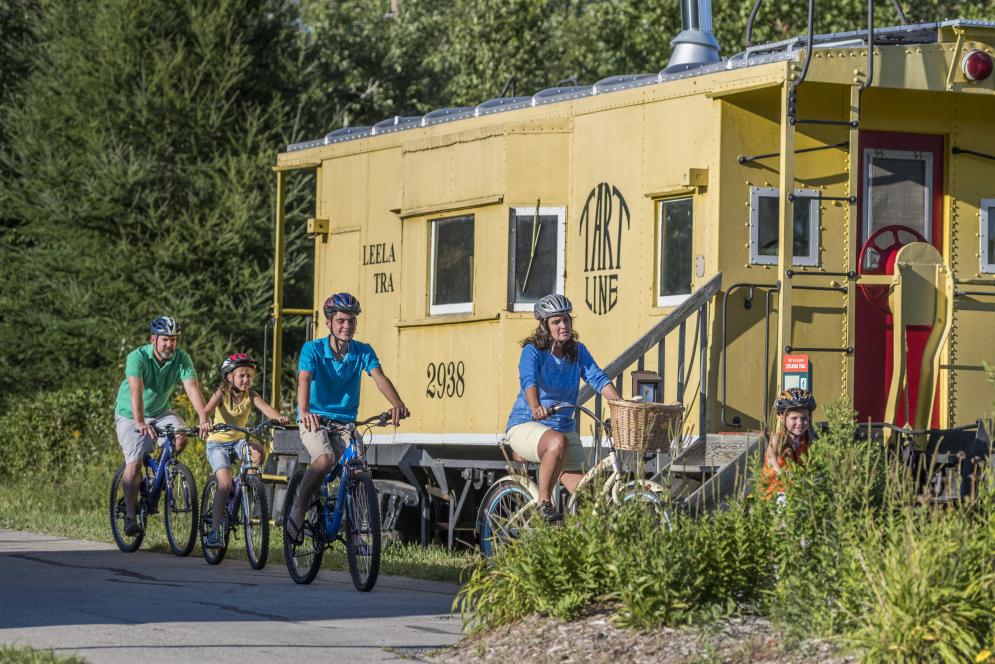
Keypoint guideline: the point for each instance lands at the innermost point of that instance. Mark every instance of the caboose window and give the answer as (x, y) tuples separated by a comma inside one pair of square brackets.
[(898, 191), (452, 265), (535, 255), (765, 230), (674, 253), (988, 235)]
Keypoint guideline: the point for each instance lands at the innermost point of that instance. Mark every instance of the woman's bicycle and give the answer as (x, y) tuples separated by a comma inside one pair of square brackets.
[(246, 506), (509, 503), (350, 505), (161, 473)]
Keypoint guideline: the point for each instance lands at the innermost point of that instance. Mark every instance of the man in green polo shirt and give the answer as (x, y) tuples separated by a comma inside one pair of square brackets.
[(150, 377)]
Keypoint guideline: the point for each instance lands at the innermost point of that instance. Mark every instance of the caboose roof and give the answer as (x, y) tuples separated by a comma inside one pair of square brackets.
[(759, 54)]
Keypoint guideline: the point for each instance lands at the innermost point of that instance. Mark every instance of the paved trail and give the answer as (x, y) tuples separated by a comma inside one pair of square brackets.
[(90, 599)]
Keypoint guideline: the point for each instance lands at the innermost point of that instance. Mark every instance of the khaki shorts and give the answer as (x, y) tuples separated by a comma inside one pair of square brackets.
[(321, 442), (524, 440), (135, 445)]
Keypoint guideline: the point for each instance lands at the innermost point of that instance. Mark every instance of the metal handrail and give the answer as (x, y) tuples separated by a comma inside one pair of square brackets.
[(670, 322), (768, 289), (696, 303)]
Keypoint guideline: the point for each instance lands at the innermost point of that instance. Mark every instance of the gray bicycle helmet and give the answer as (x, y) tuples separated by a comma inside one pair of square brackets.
[(550, 305), (165, 326)]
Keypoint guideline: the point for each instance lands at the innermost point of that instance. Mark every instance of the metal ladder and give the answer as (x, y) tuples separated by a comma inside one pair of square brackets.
[(789, 121)]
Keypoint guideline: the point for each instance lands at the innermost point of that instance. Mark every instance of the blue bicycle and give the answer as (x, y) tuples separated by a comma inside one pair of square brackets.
[(161, 473), (351, 504), (246, 506)]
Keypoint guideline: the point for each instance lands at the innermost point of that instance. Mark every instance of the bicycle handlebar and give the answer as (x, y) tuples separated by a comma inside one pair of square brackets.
[(380, 420), (562, 405), (255, 431), (176, 431)]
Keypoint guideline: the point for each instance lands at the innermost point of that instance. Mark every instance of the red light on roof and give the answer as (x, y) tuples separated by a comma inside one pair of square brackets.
[(977, 66)]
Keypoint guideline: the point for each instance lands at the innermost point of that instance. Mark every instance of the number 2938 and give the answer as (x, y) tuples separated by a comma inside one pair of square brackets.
[(445, 379)]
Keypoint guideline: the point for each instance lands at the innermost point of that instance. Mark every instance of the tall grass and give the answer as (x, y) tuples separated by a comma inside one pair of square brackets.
[(59, 452), (26, 655), (855, 556)]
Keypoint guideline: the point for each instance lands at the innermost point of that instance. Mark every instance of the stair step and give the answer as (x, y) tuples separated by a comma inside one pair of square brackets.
[(693, 469)]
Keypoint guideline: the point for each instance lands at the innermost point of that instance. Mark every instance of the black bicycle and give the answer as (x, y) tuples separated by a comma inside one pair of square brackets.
[(246, 507), (161, 472)]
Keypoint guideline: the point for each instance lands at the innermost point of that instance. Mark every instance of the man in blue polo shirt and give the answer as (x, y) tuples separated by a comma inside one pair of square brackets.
[(328, 376)]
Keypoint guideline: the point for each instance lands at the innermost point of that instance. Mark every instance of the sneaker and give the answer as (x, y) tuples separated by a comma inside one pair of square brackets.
[(214, 539), (549, 513), (132, 528)]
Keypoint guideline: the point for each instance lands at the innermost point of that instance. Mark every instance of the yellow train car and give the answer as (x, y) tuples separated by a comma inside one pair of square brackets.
[(722, 230)]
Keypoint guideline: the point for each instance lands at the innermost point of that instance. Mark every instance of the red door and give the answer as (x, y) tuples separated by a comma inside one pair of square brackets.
[(901, 201)]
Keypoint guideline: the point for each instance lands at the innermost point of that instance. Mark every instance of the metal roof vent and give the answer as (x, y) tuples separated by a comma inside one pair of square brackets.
[(696, 45)]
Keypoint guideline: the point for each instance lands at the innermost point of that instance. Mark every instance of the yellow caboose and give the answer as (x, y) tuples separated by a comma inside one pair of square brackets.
[(816, 211)]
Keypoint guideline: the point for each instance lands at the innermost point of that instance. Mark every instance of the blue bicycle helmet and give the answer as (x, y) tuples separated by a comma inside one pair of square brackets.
[(344, 302), (165, 326)]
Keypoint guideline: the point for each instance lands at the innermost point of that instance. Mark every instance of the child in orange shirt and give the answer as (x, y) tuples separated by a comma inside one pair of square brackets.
[(791, 439)]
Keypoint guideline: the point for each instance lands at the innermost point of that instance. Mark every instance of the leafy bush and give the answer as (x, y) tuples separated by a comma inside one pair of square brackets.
[(56, 432), (62, 448), (854, 555), (656, 574)]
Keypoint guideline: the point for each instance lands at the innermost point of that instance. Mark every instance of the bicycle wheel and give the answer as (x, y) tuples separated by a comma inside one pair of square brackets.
[(124, 542), (648, 495), (304, 559), (362, 543), (212, 555), (255, 521), (502, 514), (181, 509), (593, 490)]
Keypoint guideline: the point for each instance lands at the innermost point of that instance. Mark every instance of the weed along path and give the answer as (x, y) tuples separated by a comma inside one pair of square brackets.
[(89, 599)]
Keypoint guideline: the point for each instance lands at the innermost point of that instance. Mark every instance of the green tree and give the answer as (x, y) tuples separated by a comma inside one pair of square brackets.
[(139, 147)]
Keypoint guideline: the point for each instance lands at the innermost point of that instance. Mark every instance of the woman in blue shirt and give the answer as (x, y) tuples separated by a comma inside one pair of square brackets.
[(549, 371)]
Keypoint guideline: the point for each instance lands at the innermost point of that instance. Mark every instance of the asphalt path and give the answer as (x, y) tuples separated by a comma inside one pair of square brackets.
[(89, 599)]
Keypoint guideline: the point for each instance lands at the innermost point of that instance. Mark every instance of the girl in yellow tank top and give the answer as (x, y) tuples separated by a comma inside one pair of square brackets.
[(232, 403)]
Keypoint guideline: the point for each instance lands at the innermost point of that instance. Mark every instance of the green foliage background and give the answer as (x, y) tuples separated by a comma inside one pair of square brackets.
[(136, 138)]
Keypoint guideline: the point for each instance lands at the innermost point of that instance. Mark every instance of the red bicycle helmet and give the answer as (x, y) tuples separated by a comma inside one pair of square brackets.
[(236, 360)]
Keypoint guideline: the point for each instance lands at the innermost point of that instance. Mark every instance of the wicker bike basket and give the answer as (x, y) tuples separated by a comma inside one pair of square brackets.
[(645, 426)]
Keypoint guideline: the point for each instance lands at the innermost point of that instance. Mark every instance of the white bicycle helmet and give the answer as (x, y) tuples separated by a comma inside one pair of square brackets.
[(552, 305)]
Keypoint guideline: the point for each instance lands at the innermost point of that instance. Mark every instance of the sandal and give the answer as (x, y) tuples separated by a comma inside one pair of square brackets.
[(295, 532), (132, 528)]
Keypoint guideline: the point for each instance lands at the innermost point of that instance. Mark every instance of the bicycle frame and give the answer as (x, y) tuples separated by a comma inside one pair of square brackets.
[(333, 520), (235, 501), (158, 467), (519, 471)]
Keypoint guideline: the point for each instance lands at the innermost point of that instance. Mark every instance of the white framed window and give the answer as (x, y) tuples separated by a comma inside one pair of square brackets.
[(765, 229), (987, 235), (674, 250), (535, 254), (451, 268), (898, 190)]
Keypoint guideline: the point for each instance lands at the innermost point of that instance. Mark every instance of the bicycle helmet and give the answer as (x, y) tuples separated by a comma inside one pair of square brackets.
[(342, 302), (552, 305), (236, 360), (792, 398), (165, 326)]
